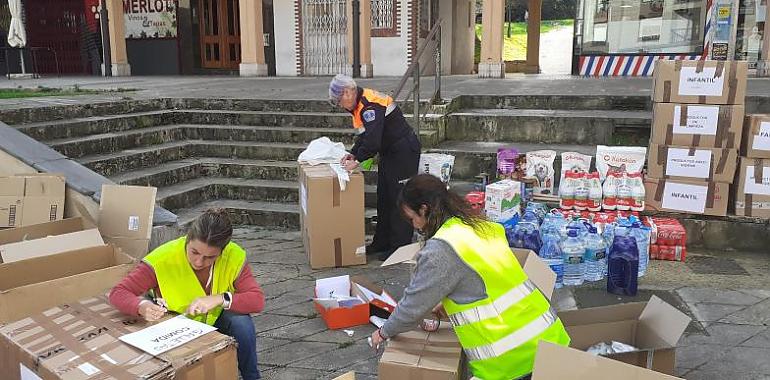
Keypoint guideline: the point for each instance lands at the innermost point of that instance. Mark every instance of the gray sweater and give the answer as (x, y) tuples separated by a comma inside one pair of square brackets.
[(440, 273)]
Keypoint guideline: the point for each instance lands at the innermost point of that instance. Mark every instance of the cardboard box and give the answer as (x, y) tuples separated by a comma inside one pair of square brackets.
[(11, 201), (363, 299), (578, 365), (79, 340), (752, 192), (707, 126), (692, 164), (43, 198), (702, 82), (422, 355), (756, 136), (38, 231), (690, 197), (125, 217), (31, 286), (50, 245), (503, 200), (332, 219), (654, 327)]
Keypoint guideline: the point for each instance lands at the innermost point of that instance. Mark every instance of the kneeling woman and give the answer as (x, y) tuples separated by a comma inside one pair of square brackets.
[(466, 266), (203, 275)]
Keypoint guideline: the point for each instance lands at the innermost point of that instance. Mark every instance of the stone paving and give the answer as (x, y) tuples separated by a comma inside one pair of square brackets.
[(729, 336)]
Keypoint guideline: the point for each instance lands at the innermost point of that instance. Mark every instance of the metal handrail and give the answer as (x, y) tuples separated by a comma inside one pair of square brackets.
[(414, 71)]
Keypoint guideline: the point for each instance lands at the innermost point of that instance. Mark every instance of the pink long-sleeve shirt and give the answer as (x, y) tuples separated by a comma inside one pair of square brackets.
[(126, 295)]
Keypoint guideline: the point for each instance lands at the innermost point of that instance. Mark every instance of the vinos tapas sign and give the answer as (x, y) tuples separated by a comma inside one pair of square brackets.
[(150, 18)]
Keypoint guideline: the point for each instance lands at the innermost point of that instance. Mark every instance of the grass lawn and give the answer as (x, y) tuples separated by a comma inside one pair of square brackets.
[(16, 93), (515, 47)]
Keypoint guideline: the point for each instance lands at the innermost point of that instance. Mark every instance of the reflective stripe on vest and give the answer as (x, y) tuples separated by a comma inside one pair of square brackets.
[(178, 283), (494, 309), (515, 339), (375, 97)]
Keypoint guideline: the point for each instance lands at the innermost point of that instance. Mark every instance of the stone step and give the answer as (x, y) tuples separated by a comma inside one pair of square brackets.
[(65, 112), (264, 214), (170, 173), (544, 126), (274, 105), (553, 102), (117, 141), (86, 126), (473, 158), (200, 190)]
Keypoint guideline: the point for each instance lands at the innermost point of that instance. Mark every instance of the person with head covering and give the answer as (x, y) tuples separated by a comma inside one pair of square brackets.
[(382, 130)]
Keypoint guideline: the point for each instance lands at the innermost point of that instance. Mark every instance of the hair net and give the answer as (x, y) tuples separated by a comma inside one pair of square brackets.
[(338, 85)]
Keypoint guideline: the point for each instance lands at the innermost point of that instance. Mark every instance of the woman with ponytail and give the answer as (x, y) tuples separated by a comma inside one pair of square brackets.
[(467, 273)]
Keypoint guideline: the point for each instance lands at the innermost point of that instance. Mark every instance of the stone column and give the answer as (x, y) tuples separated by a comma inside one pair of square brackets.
[(252, 39), (365, 35), (491, 63), (117, 28), (533, 37), (763, 66)]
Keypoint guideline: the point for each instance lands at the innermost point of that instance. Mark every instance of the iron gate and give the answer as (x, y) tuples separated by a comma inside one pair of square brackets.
[(59, 25), (324, 37)]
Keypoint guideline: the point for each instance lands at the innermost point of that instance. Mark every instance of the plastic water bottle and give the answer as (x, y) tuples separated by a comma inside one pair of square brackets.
[(642, 238), (552, 255), (595, 257), (623, 265), (574, 267)]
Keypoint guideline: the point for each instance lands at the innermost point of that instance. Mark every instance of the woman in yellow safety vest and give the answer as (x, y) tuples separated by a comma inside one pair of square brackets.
[(203, 275), (466, 265)]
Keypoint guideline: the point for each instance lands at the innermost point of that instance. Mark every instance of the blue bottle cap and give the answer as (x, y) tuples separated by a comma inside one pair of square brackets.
[(572, 233), (592, 230)]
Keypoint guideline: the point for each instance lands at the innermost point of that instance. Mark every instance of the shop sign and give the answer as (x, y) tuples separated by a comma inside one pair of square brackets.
[(150, 18)]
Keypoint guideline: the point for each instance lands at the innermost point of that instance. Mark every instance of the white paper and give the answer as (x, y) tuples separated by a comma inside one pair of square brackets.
[(700, 84), (88, 369), (333, 287), (751, 187), (167, 335), (701, 120), (762, 139), (27, 374), (682, 197), (681, 164), (370, 295)]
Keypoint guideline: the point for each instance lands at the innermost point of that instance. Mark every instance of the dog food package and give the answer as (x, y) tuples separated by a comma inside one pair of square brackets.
[(574, 162), (437, 164), (540, 166), (506, 163), (619, 159)]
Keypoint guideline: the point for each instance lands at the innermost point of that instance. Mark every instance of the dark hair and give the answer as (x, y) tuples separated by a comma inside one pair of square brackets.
[(212, 228), (440, 203)]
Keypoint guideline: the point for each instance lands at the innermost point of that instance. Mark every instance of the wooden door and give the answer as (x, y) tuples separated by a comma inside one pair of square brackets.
[(220, 32)]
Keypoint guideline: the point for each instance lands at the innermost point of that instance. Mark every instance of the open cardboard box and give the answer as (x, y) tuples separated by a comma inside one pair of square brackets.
[(33, 285), (373, 301), (654, 327), (536, 269), (50, 245), (31, 198), (578, 365)]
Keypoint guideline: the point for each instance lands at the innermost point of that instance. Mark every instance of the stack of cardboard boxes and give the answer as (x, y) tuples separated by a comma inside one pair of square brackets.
[(697, 123), (752, 189), (31, 199)]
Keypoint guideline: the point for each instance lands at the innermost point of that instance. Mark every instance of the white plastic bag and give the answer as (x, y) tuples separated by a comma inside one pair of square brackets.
[(324, 151), (437, 164)]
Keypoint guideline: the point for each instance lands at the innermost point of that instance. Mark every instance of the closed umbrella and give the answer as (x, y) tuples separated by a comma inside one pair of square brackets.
[(17, 36)]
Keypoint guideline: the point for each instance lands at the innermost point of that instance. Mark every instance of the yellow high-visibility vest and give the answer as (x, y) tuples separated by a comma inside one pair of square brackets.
[(500, 333), (178, 283)]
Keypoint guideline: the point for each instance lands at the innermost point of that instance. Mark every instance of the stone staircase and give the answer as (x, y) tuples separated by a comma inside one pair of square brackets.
[(240, 153)]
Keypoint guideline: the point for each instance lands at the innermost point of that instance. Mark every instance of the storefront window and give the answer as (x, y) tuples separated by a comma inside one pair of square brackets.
[(643, 26), (751, 24)]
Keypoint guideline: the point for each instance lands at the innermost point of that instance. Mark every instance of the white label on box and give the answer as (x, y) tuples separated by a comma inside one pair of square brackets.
[(303, 198), (702, 83), (752, 187), (88, 369), (701, 120), (133, 223), (762, 139), (682, 197), (27, 374), (679, 163), (167, 335)]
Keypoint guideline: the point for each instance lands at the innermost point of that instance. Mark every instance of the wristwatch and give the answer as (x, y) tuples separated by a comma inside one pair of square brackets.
[(228, 300)]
